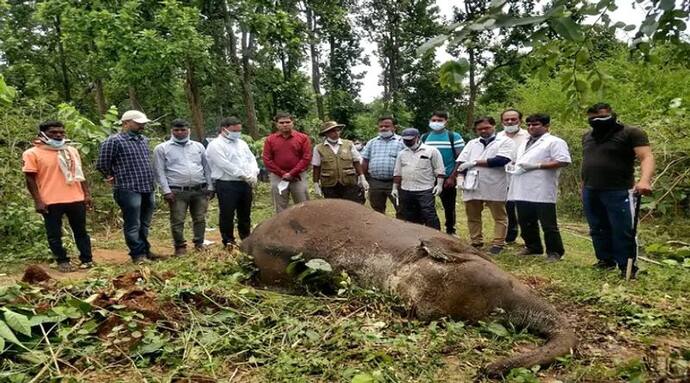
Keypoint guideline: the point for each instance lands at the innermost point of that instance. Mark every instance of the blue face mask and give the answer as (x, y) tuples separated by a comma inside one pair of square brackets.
[(233, 136), (436, 125), (180, 140), (57, 144)]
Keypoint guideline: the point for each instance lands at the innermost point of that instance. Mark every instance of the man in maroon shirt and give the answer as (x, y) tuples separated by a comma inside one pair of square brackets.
[(287, 155)]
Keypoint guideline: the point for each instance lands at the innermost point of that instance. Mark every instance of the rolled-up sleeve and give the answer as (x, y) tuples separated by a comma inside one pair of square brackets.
[(560, 152)]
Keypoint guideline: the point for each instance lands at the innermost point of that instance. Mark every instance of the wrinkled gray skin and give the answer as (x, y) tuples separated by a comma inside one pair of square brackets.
[(437, 275)]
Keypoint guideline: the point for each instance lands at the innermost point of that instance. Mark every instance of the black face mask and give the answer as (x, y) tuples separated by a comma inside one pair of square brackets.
[(410, 143), (603, 123)]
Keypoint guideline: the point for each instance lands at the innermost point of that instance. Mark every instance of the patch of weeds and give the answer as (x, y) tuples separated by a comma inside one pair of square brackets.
[(523, 375)]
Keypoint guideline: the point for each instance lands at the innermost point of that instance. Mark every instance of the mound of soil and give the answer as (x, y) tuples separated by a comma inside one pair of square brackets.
[(35, 274)]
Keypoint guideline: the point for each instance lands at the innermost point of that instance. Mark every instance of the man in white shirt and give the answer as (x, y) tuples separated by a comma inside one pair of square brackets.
[(185, 182), (417, 179), (337, 166), (234, 171), (534, 187), (511, 119), (483, 181)]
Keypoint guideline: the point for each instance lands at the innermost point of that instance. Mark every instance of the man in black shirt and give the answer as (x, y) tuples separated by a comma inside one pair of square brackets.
[(608, 160)]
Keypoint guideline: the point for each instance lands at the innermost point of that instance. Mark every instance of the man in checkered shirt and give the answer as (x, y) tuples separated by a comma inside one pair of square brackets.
[(124, 160), (378, 163)]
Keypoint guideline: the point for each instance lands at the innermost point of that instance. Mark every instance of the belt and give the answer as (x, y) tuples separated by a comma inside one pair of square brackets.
[(188, 188), (382, 180)]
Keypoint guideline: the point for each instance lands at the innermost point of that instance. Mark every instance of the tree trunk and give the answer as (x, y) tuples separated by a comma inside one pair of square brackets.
[(469, 122), (100, 98), (242, 68), (194, 100), (62, 59), (315, 69), (247, 81), (133, 100)]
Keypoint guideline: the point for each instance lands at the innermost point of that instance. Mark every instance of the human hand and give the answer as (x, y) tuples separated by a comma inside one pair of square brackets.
[(209, 194), (643, 188), (438, 188), (288, 177), (88, 202), (110, 180), (41, 207), (460, 180), (395, 194), (449, 183), (169, 198), (467, 165), (317, 190), (362, 182)]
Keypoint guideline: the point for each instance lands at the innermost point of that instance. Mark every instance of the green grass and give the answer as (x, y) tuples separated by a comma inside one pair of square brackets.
[(216, 325)]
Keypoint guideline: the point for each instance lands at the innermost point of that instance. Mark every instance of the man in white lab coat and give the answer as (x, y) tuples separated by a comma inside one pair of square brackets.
[(483, 181), (534, 187), (511, 119)]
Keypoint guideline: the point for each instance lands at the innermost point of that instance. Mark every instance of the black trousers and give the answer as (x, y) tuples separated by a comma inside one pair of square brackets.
[(352, 193), (76, 215), (530, 216), (512, 233), (234, 197), (448, 198), (419, 207)]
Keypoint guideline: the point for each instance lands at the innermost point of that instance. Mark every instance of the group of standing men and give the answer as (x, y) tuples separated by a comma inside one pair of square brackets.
[(514, 173)]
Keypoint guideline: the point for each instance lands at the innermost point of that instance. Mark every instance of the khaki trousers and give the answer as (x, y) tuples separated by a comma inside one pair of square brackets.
[(473, 209), (297, 188)]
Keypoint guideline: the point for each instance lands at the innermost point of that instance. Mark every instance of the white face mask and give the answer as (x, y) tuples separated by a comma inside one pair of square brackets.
[(436, 125), (511, 128), (180, 140), (386, 133), (333, 142)]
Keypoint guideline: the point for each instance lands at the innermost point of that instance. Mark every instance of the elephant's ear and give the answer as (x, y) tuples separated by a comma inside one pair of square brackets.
[(423, 249), (426, 249)]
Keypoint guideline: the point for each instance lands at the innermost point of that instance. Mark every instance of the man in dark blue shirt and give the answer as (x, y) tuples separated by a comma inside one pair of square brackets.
[(124, 161)]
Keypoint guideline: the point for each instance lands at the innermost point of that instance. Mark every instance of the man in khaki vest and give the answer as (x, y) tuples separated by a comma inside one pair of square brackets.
[(337, 166)]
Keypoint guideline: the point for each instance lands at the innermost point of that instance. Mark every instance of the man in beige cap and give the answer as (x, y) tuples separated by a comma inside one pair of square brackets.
[(337, 166), (124, 161)]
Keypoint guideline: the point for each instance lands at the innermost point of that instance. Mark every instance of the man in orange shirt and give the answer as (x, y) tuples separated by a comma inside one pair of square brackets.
[(56, 182)]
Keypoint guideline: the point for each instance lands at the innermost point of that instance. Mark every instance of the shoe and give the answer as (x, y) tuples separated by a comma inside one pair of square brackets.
[(199, 247), (140, 260), (87, 265), (180, 251), (65, 267), (604, 265), (553, 257), (154, 257), (495, 250), (527, 251)]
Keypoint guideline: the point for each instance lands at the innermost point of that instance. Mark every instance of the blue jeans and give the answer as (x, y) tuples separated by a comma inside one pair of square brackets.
[(137, 210), (610, 217)]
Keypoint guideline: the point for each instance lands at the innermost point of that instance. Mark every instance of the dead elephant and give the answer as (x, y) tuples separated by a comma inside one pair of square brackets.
[(436, 274)]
